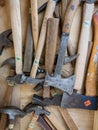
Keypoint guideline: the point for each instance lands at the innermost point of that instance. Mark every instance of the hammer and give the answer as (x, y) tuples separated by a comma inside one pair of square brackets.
[(38, 110), (12, 111)]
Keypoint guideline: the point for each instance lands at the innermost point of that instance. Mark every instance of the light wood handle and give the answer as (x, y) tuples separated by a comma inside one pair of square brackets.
[(91, 79), (48, 14), (51, 44), (81, 61), (32, 122), (69, 14), (35, 31), (17, 33)]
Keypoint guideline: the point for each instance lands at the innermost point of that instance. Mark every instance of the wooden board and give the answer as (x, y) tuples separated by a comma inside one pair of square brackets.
[(83, 118)]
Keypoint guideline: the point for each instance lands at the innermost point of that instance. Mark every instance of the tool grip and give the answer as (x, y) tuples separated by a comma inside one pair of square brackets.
[(91, 79), (35, 30), (51, 44), (69, 14), (17, 33), (81, 62), (48, 14), (32, 122)]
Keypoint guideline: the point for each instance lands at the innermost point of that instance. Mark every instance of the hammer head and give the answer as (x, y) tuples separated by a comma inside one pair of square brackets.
[(55, 100), (79, 101), (37, 109), (64, 84), (4, 40), (12, 111)]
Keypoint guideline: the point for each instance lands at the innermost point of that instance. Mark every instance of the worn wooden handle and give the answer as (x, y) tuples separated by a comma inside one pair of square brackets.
[(17, 33), (48, 14), (32, 122), (91, 79), (28, 54), (69, 14), (51, 44), (81, 61), (35, 30)]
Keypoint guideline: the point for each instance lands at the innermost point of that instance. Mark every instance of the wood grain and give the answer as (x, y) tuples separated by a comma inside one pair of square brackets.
[(51, 44), (83, 46)]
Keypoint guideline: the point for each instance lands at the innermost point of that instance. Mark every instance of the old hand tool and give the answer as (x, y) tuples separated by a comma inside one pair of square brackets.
[(43, 123), (81, 62), (54, 100), (48, 14), (90, 101), (12, 111), (65, 84), (51, 44), (37, 111), (28, 54), (5, 41)]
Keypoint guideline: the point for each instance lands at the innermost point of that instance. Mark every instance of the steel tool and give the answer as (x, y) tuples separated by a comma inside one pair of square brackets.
[(90, 101), (37, 111), (12, 111), (5, 41), (65, 84)]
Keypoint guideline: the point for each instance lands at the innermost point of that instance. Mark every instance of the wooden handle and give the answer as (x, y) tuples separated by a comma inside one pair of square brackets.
[(51, 44), (35, 30), (48, 14), (68, 120), (69, 14), (81, 61), (32, 122), (95, 125), (17, 34), (28, 55), (91, 79), (2, 2)]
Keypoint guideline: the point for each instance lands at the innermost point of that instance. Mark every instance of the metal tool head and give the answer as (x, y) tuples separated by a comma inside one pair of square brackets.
[(90, 1), (55, 100), (4, 40), (64, 84), (79, 101), (36, 108), (10, 62), (12, 111), (21, 79)]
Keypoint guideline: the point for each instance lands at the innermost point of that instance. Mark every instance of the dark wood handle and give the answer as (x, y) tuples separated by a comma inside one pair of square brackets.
[(69, 14), (51, 44), (91, 79)]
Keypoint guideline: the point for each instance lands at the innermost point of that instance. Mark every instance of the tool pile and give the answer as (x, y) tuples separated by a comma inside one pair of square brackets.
[(76, 90)]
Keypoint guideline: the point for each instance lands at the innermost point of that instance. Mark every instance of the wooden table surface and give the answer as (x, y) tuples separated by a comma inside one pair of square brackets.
[(82, 118)]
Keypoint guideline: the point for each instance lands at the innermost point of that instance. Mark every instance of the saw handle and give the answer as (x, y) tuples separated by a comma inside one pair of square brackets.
[(48, 14), (51, 44), (35, 30), (17, 33), (91, 79), (69, 14)]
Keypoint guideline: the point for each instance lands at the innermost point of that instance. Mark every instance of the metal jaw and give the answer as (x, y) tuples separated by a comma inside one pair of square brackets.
[(79, 101), (36, 108), (55, 100), (21, 79), (64, 84)]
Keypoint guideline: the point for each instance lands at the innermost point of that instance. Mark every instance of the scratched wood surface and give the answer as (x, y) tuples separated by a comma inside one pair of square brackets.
[(82, 118)]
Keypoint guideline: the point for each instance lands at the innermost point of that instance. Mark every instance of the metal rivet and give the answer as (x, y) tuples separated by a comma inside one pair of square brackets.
[(67, 25), (72, 7)]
